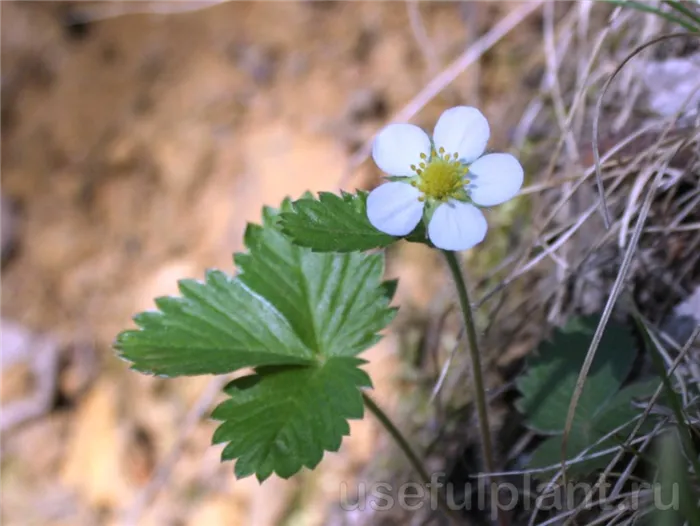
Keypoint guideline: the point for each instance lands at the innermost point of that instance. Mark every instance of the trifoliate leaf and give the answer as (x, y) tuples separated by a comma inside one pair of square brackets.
[(548, 384), (299, 318), (338, 223), (283, 418)]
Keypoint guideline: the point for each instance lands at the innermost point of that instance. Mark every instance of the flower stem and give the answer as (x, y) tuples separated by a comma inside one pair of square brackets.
[(479, 391), (454, 517)]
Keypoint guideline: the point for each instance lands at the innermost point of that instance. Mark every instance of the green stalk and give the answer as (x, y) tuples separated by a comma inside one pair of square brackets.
[(678, 6), (641, 6), (478, 384), (452, 515), (684, 429)]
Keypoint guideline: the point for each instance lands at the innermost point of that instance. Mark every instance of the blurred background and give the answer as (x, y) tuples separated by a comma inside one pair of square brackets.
[(138, 138)]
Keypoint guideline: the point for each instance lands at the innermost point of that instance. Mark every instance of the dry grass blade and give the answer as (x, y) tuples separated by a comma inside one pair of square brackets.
[(649, 167), (606, 501), (607, 311), (624, 447), (97, 11), (426, 47), (583, 456), (597, 113)]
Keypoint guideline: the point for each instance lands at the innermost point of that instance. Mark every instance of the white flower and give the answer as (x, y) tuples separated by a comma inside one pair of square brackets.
[(441, 179)]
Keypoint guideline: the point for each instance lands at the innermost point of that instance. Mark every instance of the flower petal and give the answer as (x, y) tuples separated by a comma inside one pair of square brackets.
[(495, 178), (463, 130), (457, 226), (398, 146), (394, 208)]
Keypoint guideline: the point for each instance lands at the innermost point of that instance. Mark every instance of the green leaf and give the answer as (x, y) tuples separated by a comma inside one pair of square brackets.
[(584, 433), (549, 382), (333, 223), (283, 418), (216, 327), (620, 408), (286, 306), (548, 453), (335, 302), (299, 318), (338, 223), (674, 400)]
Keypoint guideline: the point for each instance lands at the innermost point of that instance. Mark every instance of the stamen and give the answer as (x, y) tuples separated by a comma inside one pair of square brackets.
[(423, 156), (413, 167), (441, 177)]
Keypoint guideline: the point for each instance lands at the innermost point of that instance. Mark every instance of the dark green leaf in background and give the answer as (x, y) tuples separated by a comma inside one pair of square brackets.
[(550, 379), (585, 432), (548, 385)]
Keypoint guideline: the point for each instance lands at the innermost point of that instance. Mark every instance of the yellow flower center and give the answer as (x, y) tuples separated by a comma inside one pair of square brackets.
[(440, 177)]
